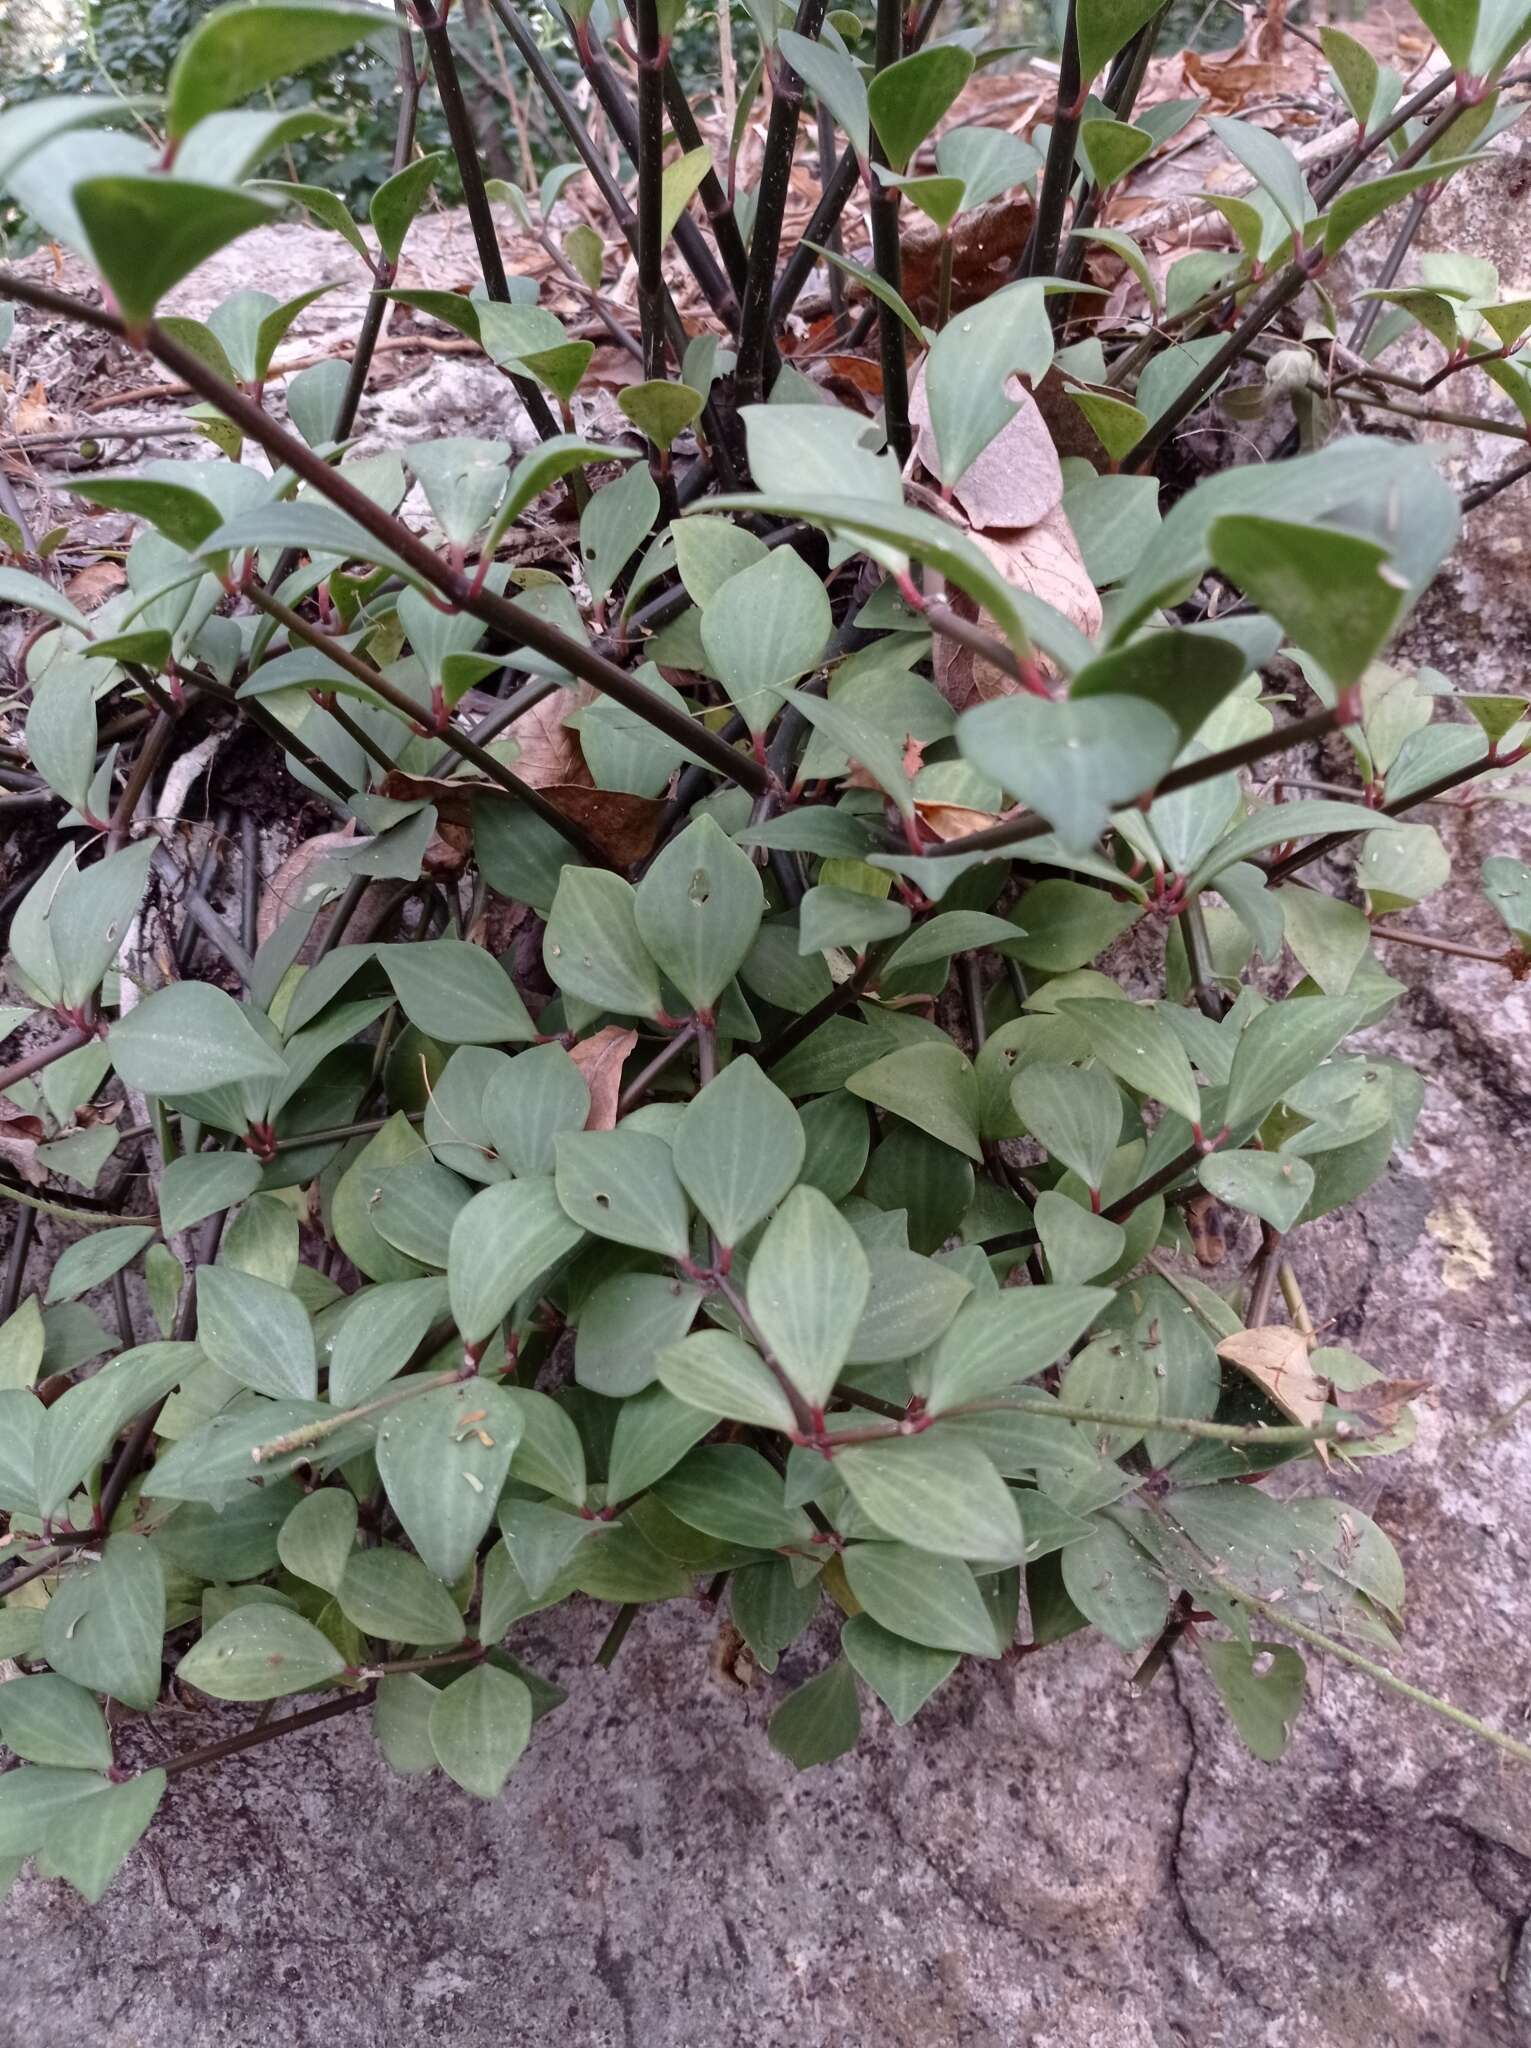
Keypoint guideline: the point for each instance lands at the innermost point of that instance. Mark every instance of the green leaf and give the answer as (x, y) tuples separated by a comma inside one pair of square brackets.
[(90, 1840), (1118, 426), (932, 1086), (912, 1301), (625, 1325), (737, 1149), (659, 410), (188, 1039), (104, 1627), (587, 252), (1362, 203), (1329, 937), (328, 208), (318, 1539), (1401, 865), (769, 1609), (257, 1332), (147, 233), (443, 1471), (1271, 164), (763, 629), (1261, 1685), (1112, 149), (479, 1727), (1336, 594), (822, 1719), (834, 78), (1137, 1046), (1271, 1185), (1075, 1113), (544, 466), (708, 551), (622, 1185), (32, 594), (382, 1330), (28, 125), (396, 202), (830, 918), (906, 100), (614, 525), (1275, 824), (1077, 1244), (503, 1244), (1281, 1047), (718, 1373), (902, 1674), (51, 1720), (922, 1598), (260, 1652), (733, 1493), (549, 1454), (92, 1260), (999, 1343), (1507, 885), (867, 745), (456, 993), (1115, 1586), (591, 947), (989, 161), (81, 1427), (678, 182), (654, 1432), (401, 1723), (237, 49), (935, 1493), (198, 1185), (807, 1286), (528, 1102), (541, 1540), (391, 1595), (1073, 763), (1103, 27), (969, 367), (699, 906)]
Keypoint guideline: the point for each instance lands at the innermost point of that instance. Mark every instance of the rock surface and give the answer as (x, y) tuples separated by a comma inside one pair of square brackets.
[(1041, 1861)]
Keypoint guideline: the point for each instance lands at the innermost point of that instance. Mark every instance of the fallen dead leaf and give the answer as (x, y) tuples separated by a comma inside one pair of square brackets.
[(285, 889), (624, 827), (1016, 481), (20, 1137), (600, 1059), (952, 821), (549, 749), (94, 584), (1276, 1359), (1043, 559), (32, 413)]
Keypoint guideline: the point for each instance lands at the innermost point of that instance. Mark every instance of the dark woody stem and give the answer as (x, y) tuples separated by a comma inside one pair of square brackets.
[(650, 161), (888, 258), (438, 44), (770, 205), (377, 302)]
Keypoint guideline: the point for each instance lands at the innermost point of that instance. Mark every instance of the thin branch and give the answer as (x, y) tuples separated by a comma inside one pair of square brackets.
[(378, 301), (44, 1056), (266, 1731), (650, 166), (518, 626), (1039, 258)]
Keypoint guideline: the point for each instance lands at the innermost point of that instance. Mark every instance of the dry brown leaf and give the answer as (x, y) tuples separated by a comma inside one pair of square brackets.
[(549, 749), (1016, 481), (20, 1137), (952, 821), (600, 1059), (94, 584), (1383, 1401), (1043, 559), (32, 414), (285, 888), (1230, 84), (624, 827), (1276, 1359)]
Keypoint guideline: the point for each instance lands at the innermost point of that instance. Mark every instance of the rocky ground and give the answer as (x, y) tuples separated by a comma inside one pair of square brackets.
[(1041, 1861)]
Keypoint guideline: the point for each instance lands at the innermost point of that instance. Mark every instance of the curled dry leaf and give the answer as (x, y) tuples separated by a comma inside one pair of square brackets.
[(624, 827), (549, 751), (951, 821), (600, 1058), (1276, 1359), (1043, 559), (20, 1137)]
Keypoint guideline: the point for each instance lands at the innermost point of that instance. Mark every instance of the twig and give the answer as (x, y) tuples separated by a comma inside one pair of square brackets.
[(770, 206), (266, 1731), (887, 256)]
